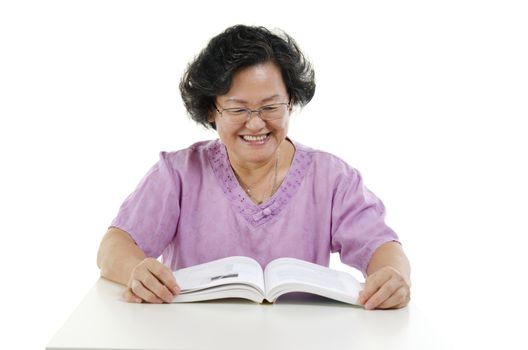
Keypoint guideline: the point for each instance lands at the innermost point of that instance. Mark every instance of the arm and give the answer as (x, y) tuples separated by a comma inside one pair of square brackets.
[(388, 279), (122, 261), (118, 255)]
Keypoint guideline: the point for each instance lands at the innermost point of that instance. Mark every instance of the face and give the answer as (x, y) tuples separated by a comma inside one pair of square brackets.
[(256, 141)]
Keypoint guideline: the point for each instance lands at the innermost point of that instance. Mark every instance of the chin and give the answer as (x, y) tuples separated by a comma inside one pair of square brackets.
[(257, 158)]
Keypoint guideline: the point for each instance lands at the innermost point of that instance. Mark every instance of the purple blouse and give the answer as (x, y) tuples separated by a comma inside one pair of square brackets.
[(190, 209)]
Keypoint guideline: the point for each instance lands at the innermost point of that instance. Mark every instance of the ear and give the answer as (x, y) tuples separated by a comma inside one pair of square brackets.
[(211, 117)]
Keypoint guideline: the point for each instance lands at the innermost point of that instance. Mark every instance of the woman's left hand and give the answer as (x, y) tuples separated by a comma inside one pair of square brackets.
[(386, 288)]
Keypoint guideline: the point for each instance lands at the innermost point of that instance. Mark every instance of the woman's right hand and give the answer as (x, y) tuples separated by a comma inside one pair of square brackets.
[(152, 282)]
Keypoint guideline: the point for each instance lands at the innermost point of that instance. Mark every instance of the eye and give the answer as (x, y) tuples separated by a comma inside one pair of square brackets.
[(236, 111), (269, 108)]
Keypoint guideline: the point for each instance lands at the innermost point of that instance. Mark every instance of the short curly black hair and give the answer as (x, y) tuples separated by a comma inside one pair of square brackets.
[(210, 74)]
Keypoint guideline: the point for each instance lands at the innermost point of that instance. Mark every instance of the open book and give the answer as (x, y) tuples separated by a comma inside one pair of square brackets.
[(242, 277)]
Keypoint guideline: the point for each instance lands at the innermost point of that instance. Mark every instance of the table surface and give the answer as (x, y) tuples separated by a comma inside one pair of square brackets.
[(104, 321)]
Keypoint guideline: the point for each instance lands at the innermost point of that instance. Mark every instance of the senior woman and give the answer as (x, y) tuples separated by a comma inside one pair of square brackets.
[(254, 192)]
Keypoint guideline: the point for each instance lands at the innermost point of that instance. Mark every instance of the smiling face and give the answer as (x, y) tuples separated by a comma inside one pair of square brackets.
[(254, 142)]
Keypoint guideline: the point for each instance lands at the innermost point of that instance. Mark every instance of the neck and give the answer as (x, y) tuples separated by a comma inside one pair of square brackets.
[(261, 180), (252, 173)]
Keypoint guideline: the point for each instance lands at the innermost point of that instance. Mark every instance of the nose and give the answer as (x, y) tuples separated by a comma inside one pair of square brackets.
[(254, 122)]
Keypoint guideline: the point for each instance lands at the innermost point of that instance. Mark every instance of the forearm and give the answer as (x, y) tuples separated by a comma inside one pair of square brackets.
[(390, 254), (118, 255), (388, 283)]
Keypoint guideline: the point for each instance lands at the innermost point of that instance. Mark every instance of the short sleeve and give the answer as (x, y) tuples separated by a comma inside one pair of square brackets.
[(150, 214), (358, 222)]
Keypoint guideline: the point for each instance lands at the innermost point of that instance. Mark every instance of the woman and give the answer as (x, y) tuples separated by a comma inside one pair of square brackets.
[(254, 192)]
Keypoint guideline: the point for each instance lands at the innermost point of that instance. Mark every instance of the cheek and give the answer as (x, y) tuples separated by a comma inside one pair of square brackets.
[(226, 131), (283, 125)]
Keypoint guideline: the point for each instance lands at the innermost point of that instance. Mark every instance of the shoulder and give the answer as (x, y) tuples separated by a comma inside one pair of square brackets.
[(326, 162), (192, 157)]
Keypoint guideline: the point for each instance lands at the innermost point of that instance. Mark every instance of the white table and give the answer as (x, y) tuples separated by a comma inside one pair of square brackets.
[(104, 321)]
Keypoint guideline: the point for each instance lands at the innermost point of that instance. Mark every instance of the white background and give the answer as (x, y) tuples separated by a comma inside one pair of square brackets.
[(426, 99)]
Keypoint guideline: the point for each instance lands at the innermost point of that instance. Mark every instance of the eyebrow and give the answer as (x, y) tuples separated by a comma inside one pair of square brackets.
[(244, 101)]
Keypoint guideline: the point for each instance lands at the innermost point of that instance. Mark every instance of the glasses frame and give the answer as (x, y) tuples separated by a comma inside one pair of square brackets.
[(249, 112)]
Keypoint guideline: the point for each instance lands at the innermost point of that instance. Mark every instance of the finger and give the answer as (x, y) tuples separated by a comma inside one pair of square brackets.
[(399, 299), (155, 286), (372, 285), (130, 297), (145, 276), (144, 293), (383, 293), (164, 275)]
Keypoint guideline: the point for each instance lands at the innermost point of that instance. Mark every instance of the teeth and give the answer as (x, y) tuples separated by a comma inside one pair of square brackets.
[(254, 138)]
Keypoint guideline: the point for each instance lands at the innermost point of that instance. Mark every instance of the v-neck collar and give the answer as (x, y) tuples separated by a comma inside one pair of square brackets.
[(258, 214)]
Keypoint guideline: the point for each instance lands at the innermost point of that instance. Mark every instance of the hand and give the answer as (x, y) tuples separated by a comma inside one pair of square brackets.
[(151, 282), (386, 288)]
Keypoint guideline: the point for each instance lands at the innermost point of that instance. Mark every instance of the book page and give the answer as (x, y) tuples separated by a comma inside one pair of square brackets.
[(231, 270), (289, 274), (243, 291)]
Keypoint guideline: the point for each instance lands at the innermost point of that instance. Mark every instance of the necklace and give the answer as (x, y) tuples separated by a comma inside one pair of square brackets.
[(249, 191)]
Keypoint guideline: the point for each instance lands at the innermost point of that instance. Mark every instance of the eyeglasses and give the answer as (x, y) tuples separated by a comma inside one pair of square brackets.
[(239, 115)]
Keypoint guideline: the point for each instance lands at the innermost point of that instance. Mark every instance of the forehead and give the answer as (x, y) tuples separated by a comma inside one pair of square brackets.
[(256, 84)]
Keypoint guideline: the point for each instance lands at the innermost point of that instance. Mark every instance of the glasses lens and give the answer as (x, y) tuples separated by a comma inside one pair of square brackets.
[(236, 115), (273, 111)]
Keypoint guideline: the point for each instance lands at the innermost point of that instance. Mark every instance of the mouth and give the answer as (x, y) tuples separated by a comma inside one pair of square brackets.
[(256, 139)]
